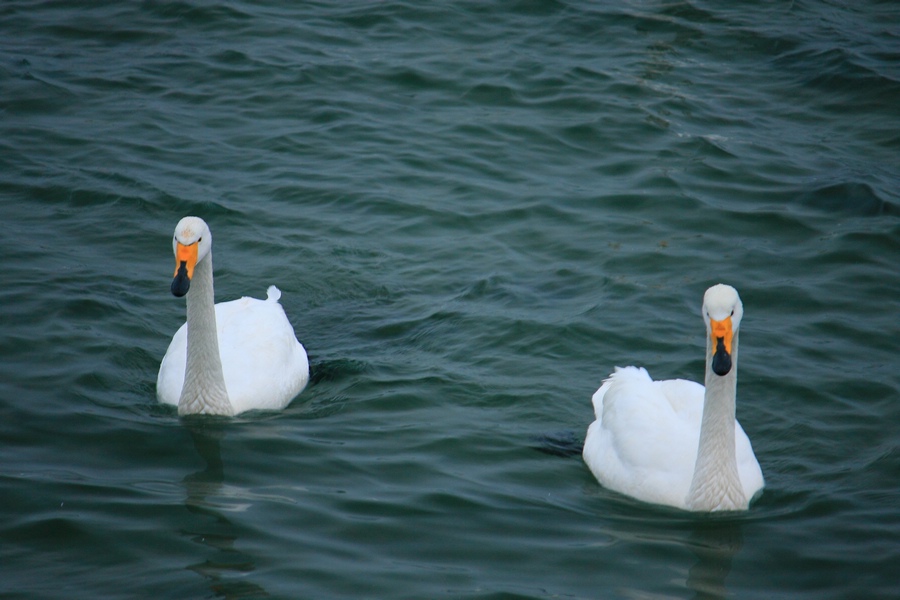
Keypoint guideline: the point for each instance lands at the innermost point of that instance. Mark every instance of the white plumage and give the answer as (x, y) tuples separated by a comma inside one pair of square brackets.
[(228, 357), (676, 442)]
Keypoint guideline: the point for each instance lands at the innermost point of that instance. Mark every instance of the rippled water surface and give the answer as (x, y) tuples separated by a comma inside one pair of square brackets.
[(475, 211)]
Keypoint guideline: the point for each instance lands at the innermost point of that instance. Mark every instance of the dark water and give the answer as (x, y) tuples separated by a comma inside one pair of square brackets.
[(475, 210)]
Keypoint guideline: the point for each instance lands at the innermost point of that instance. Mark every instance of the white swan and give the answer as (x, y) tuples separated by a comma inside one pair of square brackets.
[(674, 442), (231, 357)]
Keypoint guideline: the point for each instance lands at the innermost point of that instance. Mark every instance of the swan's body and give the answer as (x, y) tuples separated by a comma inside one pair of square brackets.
[(675, 442), (229, 357)]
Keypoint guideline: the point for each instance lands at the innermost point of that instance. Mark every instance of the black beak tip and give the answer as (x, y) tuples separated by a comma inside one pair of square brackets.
[(182, 283), (721, 362)]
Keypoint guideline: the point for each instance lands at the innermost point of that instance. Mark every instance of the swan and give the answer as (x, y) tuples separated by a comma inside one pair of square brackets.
[(675, 442), (229, 357)]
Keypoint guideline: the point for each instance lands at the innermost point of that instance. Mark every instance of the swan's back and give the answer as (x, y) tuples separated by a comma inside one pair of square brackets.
[(645, 439), (263, 363)]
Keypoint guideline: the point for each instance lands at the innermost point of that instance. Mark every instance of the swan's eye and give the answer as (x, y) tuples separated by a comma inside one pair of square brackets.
[(732, 312)]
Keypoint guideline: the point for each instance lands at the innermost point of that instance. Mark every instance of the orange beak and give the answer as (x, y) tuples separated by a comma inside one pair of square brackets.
[(721, 330), (186, 258)]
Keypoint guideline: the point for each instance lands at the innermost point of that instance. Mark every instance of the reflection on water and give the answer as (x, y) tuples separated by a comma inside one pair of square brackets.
[(714, 543), (210, 528), (659, 536)]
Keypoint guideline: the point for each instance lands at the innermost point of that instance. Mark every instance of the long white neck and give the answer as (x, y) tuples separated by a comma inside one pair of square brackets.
[(716, 484), (204, 383)]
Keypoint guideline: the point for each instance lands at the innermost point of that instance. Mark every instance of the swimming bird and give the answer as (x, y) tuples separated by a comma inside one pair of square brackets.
[(676, 442), (229, 357)]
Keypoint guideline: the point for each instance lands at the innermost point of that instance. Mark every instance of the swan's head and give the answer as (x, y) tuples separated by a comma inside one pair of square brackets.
[(191, 244), (722, 311)]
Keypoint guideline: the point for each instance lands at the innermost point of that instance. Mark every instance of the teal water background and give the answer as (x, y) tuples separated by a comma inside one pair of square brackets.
[(475, 211)]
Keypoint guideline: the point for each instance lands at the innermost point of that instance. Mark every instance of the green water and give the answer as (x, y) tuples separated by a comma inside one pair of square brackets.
[(474, 211)]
